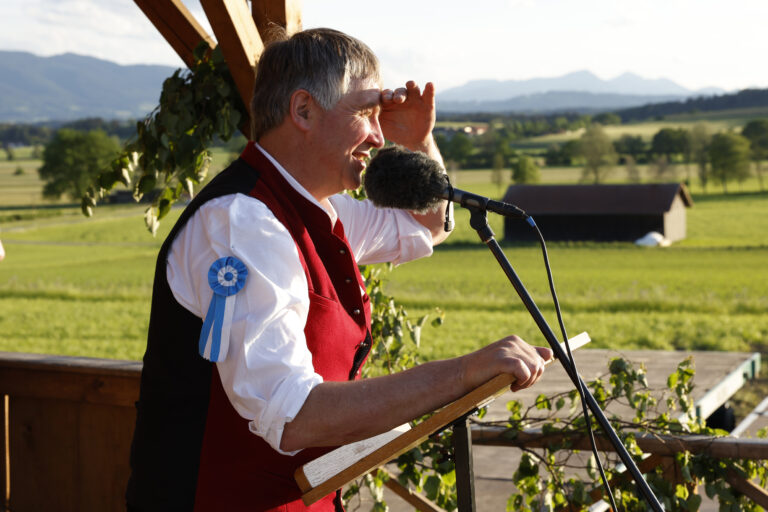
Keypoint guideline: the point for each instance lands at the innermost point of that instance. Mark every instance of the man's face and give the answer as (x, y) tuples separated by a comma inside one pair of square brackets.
[(346, 134)]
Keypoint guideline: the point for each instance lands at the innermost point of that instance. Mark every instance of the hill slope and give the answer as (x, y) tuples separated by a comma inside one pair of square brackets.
[(580, 91), (69, 86)]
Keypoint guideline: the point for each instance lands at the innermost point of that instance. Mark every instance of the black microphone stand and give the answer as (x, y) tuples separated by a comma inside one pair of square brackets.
[(479, 222)]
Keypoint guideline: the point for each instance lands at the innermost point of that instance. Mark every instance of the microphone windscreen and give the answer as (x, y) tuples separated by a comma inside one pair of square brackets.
[(407, 180)]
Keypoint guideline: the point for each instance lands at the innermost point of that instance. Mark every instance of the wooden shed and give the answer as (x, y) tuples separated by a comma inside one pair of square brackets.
[(599, 212)]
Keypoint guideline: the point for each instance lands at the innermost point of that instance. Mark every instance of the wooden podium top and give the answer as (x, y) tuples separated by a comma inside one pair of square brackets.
[(325, 474)]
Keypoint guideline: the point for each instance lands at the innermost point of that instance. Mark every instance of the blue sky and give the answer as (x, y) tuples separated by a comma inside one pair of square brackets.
[(696, 43)]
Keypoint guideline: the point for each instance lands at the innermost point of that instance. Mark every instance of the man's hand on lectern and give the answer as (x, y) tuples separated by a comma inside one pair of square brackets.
[(509, 355)]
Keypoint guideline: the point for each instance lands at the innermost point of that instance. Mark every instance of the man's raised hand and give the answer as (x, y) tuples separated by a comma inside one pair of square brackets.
[(408, 116)]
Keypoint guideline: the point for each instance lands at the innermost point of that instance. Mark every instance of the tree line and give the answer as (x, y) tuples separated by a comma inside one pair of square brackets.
[(76, 153), (721, 157)]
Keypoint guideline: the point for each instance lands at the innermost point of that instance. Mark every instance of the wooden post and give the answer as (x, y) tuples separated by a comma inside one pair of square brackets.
[(6, 462), (286, 13), (240, 42), (464, 467), (177, 25)]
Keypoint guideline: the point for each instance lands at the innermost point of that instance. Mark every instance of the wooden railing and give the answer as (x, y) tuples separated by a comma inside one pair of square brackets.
[(68, 424), (662, 450)]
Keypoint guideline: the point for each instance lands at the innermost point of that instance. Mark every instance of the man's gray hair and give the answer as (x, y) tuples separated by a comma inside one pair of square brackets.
[(321, 61)]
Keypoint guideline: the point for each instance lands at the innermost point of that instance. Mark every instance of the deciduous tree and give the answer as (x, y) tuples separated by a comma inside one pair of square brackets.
[(525, 170), (630, 145), (730, 155), (497, 176), (757, 133), (670, 142), (460, 148), (699, 139), (597, 150), (72, 160)]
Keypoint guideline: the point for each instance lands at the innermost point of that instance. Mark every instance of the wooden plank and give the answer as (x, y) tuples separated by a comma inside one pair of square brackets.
[(727, 386), (754, 421), (43, 455), (177, 25), (712, 366), (286, 13), (644, 467), (719, 447), (104, 443), (322, 468), (64, 385), (89, 365), (90, 380), (748, 488), (240, 42), (344, 473), (411, 497)]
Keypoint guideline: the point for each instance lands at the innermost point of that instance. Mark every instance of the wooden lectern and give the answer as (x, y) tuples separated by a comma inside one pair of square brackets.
[(337, 468)]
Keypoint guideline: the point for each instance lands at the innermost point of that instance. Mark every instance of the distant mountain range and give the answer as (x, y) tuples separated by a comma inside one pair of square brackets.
[(69, 86), (577, 91)]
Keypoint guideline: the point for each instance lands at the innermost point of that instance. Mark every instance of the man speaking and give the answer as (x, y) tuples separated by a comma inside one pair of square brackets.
[(260, 322)]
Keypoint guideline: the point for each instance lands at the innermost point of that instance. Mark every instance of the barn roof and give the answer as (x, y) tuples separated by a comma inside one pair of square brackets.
[(597, 199)]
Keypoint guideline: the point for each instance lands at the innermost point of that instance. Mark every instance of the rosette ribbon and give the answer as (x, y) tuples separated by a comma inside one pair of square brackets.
[(226, 277)]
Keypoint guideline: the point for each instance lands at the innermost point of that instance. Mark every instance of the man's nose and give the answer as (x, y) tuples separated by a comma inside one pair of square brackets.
[(376, 136)]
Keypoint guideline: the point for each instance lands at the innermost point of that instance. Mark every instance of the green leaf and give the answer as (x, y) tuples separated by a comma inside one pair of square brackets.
[(146, 184), (672, 380), (163, 208), (432, 487)]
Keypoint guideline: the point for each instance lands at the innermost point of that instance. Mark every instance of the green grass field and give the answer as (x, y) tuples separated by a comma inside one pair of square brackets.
[(77, 286), (71, 285)]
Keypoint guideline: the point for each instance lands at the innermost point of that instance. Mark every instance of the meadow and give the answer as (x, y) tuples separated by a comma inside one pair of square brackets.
[(78, 286)]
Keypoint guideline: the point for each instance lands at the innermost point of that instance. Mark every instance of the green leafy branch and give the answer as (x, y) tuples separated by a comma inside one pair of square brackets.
[(559, 416), (170, 155)]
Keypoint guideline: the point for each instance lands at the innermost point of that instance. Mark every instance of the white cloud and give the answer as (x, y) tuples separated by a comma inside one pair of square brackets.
[(696, 43)]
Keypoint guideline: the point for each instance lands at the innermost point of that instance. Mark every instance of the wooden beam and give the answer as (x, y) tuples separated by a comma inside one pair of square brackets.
[(286, 13), (749, 489), (77, 379), (177, 25), (410, 496), (718, 447), (240, 43)]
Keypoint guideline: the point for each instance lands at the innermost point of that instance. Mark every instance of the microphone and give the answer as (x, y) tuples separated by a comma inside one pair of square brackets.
[(408, 180)]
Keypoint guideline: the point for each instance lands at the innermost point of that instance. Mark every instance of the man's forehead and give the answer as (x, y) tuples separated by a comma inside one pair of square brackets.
[(366, 91)]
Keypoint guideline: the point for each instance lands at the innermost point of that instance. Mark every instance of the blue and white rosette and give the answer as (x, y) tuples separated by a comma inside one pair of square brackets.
[(227, 277)]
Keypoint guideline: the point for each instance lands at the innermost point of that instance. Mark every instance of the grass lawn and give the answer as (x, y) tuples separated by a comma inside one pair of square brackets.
[(77, 286), (90, 280)]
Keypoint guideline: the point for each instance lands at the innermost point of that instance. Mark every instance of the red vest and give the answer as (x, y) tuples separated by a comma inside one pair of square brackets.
[(239, 471)]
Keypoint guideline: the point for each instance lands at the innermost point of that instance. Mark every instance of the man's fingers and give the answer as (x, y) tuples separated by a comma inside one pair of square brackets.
[(400, 94), (411, 90), (545, 353), (429, 92), (522, 374)]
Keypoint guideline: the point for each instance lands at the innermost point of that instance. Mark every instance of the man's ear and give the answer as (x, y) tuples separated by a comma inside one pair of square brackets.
[(302, 108)]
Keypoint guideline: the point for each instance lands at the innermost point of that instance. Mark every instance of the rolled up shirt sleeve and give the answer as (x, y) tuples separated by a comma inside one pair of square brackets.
[(378, 235), (267, 373)]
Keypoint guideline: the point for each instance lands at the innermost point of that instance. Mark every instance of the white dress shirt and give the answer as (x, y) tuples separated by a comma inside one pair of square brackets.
[(267, 373)]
